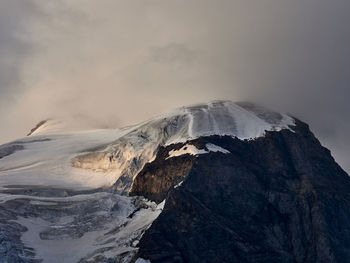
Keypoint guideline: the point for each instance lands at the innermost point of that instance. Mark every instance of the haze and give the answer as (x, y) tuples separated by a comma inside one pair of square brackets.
[(121, 62)]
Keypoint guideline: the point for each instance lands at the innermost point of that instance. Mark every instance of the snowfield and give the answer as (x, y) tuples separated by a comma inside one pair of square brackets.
[(56, 203), (99, 158), (87, 228), (192, 150)]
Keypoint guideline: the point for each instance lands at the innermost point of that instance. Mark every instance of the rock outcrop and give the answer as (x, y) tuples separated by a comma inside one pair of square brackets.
[(277, 198), (231, 182)]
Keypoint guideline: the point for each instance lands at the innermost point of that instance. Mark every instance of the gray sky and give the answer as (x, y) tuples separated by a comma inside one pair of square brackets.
[(120, 62)]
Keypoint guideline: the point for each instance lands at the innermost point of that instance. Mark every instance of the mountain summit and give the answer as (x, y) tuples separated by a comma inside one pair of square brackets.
[(111, 156), (215, 182)]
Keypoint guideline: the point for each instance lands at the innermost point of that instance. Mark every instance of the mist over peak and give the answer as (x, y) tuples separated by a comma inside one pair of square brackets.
[(123, 62)]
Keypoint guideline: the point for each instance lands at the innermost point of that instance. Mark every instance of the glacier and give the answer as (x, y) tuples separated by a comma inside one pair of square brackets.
[(70, 186), (100, 158)]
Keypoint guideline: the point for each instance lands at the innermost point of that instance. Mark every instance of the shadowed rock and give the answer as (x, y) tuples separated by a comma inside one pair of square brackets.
[(279, 198)]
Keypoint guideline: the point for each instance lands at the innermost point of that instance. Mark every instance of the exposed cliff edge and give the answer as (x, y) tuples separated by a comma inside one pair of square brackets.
[(224, 182), (278, 198)]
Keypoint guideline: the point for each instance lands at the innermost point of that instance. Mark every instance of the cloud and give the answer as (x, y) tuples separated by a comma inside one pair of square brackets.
[(173, 53), (13, 49), (121, 62)]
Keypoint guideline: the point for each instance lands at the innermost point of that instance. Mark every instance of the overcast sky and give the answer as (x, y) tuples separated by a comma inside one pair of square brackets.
[(120, 62)]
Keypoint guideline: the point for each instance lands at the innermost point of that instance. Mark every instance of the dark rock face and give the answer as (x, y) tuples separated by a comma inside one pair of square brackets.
[(280, 198), (156, 179), (37, 127)]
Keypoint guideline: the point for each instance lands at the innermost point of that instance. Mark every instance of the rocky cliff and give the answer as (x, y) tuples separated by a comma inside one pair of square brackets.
[(277, 198), (224, 182)]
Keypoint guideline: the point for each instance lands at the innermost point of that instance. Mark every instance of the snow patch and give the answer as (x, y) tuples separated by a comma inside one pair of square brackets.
[(193, 150), (186, 149), (161, 205), (178, 185), (214, 148)]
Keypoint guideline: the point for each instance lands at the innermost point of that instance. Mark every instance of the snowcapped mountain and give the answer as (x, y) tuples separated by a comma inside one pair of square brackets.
[(109, 156), (224, 182)]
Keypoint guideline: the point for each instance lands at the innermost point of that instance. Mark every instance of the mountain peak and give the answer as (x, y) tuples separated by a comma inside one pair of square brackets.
[(120, 153), (278, 198), (243, 120)]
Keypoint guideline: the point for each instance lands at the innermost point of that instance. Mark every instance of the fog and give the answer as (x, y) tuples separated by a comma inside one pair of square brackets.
[(121, 62)]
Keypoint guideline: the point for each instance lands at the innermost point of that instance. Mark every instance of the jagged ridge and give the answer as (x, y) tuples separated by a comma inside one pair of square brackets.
[(279, 198)]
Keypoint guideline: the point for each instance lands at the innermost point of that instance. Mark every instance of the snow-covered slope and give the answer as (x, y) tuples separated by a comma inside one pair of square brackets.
[(63, 125), (45, 214), (91, 227), (99, 158)]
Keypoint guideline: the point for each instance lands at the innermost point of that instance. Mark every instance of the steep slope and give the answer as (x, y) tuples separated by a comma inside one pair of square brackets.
[(56, 202), (278, 198), (89, 227), (116, 156), (238, 183), (128, 154)]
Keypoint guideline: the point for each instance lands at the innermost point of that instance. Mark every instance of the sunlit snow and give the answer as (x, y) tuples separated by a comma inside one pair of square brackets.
[(98, 158), (87, 225)]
